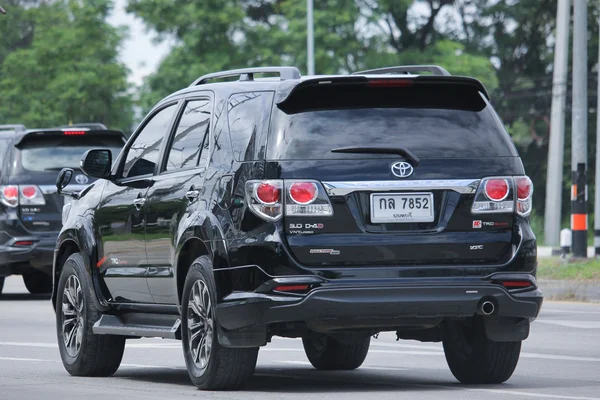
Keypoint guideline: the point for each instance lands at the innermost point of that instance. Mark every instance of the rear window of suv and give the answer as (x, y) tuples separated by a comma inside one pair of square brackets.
[(55, 153), (436, 126)]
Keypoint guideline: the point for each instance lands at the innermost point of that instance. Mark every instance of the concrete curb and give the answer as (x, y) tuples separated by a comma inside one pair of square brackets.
[(570, 290)]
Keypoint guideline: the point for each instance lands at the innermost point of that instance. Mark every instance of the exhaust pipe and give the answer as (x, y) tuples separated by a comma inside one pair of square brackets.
[(486, 308)]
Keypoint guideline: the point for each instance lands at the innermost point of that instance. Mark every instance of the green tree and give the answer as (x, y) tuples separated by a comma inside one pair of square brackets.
[(68, 70), (349, 34)]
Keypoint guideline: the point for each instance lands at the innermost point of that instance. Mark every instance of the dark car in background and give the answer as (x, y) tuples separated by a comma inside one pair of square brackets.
[(30, 208)]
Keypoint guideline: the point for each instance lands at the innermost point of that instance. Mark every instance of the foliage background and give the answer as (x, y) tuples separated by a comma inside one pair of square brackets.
[(59, 58)]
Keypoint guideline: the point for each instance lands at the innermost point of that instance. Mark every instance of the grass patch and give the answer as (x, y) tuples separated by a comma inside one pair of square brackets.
[(557, 268)]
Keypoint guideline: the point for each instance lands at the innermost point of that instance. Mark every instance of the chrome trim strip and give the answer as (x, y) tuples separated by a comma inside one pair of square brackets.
[(463, 186), (51, 189)]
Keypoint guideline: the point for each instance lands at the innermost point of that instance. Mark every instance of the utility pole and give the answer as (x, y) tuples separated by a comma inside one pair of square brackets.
[(579, 131), (597, 192), (554, 181), (310, 37)]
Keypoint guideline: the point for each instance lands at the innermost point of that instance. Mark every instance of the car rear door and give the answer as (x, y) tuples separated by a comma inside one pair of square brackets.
[(176, 193), (401, 164), (121, 215)]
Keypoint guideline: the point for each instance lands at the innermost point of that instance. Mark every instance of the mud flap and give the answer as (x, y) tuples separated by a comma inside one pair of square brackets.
[(250, 337), (506, 329)]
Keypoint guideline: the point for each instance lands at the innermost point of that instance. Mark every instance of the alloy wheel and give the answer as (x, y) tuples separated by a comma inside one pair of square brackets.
[(200, 324), (72, 312)]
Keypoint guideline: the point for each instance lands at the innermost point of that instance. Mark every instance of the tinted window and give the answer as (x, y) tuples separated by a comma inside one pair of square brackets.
[(143, 153), (249, 115), (55, 153), (190, 135), (427, 132)]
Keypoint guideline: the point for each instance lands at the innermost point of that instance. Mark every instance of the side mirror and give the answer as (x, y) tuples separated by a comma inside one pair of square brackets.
[(97, 163), (63, 179)]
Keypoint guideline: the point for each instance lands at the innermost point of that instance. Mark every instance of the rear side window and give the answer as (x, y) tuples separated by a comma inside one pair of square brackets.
[(249, 115), (432, 124), (191, 135), (54, 153)]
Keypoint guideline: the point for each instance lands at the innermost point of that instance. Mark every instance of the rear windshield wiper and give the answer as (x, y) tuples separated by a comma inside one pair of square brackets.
[(380, 150)]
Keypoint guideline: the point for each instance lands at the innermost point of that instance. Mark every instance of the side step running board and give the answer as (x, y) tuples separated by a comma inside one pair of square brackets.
[(139, 325)]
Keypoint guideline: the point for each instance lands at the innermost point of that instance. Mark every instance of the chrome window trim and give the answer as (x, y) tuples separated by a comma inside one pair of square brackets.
[(463, 186)]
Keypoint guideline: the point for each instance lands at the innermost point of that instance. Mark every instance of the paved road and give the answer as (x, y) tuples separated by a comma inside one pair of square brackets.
[(560, 360)]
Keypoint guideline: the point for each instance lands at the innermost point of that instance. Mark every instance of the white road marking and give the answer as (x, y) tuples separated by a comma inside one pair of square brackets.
[(26, 359), (572, 324), (122, 365), (566, 311), (425, 350)]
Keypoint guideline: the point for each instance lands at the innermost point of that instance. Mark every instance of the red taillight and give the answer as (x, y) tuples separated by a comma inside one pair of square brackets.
[(291, 288), (516, 284), (496, 189), (29, 191), (11, 192), (71, 133), (267, 193), (524, 188), (23, 243), (303, 192), (390, 82)]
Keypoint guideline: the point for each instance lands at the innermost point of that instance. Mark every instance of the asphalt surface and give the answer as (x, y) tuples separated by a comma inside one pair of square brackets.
[(560, 360)]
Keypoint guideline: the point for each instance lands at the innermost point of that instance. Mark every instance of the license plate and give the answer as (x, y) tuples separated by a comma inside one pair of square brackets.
[(401, 207)]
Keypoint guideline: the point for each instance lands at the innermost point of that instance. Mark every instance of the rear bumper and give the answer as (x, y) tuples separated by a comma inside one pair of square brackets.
[(339, 307), (15, 258)]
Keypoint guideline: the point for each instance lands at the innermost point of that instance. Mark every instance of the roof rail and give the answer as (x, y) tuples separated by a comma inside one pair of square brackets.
[(247, 74), (15, 127), (406, 69)]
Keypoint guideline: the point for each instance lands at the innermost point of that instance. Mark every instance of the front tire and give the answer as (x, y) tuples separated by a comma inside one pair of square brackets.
[(209, 365), (1, 284), (82, 352), (327, 353), (37, 282), (474, 359)]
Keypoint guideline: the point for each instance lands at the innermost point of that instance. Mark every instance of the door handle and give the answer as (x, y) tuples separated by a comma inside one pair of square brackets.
[(192, 195), (138, 203)]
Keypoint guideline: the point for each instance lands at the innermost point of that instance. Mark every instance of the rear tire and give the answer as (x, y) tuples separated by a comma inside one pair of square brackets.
[(86, 354), (327, 353), (474, 359), (37, 282), (1, 284), (209, 365)]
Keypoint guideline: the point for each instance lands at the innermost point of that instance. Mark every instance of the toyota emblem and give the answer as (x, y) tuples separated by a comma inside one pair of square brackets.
[(402, 169), (81, 179)]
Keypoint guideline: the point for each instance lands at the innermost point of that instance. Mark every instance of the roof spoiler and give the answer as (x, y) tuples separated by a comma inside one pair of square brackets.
[(284, 96), (70, 131)]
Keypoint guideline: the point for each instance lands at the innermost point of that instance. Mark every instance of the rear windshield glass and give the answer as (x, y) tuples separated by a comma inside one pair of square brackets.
[(428, 131), (55, 153)]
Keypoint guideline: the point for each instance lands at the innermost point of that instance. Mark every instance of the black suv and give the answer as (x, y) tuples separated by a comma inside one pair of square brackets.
[(30, 208), (327, 208)]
